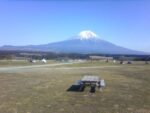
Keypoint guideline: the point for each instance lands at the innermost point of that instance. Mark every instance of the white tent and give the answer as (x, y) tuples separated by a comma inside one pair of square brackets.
[(44, 60), (33, 61), (114, 61)]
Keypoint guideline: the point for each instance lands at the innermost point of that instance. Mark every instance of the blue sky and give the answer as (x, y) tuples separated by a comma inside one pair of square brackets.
[(125, 23)]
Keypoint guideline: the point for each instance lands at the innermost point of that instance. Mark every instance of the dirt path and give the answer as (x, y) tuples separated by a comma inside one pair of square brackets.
[(88, 67), (15, 68), (24, 68)]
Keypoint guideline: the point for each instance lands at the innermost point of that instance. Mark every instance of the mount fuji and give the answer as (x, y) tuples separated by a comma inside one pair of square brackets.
[(86, 42)]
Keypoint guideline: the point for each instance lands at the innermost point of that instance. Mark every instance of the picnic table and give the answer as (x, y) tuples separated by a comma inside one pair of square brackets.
[(92, 81), (88, 79)]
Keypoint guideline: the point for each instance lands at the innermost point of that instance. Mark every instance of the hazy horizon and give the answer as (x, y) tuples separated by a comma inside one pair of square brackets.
[(124, 23)]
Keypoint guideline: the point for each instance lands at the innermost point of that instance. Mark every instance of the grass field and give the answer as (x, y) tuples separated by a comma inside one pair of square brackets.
[(44, 90)]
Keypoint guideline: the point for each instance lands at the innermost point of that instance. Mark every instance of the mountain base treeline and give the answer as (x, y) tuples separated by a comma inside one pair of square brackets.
[(20, 55)]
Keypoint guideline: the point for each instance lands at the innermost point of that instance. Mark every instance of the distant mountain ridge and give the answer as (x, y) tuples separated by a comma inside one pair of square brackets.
[(86, 42)]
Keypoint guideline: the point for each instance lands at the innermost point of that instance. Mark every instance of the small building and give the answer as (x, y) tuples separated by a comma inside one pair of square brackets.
[(92, 58), (19, 58), (63, 59)]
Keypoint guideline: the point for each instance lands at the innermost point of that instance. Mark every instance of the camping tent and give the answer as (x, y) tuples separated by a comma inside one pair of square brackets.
[(44, 60)]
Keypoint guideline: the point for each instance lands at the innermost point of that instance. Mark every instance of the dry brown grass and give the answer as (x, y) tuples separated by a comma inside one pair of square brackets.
[(44, 90)]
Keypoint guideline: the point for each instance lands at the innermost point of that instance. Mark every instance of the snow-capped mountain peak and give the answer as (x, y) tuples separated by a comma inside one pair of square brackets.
[(87, 35), (86, 42)]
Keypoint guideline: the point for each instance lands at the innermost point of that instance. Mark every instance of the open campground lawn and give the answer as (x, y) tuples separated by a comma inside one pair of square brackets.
[(45, 89)]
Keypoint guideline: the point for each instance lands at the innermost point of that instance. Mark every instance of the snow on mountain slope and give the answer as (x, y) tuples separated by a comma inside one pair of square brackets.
[(87, 35)]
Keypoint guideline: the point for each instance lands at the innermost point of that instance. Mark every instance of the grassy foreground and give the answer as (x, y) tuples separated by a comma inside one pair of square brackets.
[(44, 90)]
